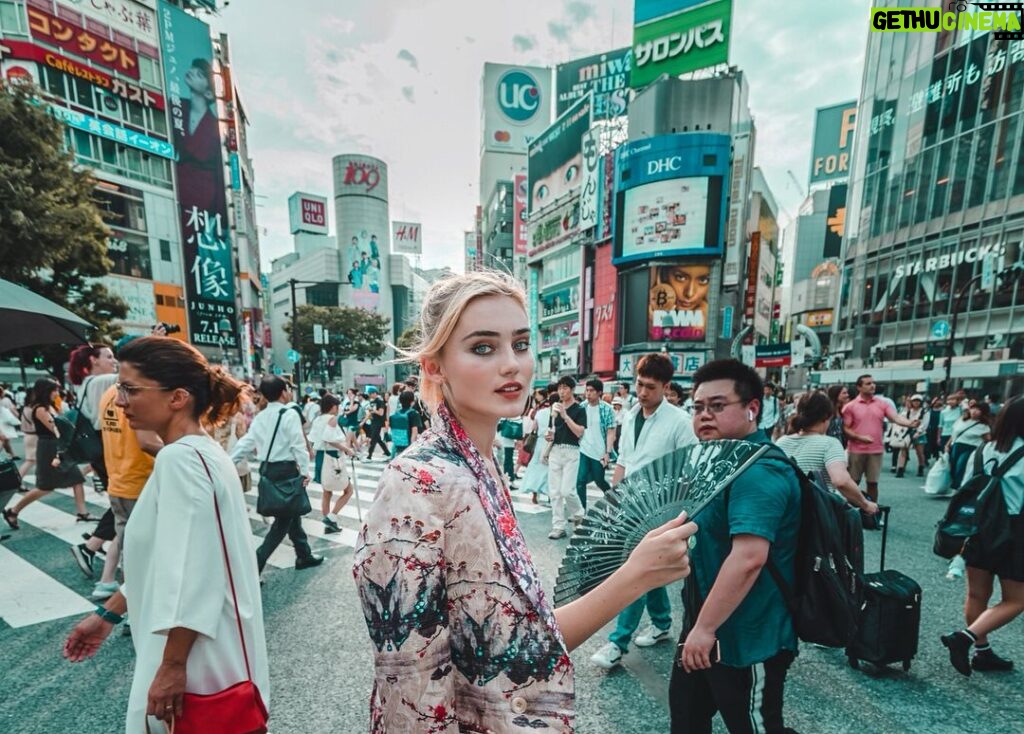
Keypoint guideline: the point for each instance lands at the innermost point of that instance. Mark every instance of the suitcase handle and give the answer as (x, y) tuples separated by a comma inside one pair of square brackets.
[(883, 511)]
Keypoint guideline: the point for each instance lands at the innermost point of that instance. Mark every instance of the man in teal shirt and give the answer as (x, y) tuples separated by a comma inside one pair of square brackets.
[(738, 639)]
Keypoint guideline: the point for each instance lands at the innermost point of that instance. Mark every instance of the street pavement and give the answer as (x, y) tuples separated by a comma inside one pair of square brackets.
[(321, 664)]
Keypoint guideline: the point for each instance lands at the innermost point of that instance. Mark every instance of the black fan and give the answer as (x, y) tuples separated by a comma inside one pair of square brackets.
[(687, 479)]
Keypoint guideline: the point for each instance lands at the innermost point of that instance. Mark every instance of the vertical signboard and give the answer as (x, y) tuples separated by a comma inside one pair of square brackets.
[(753, 260), (835, 221), (588, 195), (202, 198), (516, 106), (520, 234), (833, 140)]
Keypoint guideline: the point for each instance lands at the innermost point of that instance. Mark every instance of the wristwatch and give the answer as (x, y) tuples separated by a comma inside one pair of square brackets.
[(108, 616)]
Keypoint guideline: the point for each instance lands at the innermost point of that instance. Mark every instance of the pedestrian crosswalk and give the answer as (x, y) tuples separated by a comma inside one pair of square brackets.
[(45, 591)]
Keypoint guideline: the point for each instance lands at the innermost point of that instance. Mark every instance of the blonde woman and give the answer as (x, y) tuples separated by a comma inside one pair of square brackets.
[(464, 637)]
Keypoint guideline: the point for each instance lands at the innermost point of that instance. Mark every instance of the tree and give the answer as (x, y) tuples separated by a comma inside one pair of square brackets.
[(52, 238), (354, 333)]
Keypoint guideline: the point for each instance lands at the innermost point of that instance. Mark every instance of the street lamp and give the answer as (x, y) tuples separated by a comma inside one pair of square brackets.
[(225, 328)]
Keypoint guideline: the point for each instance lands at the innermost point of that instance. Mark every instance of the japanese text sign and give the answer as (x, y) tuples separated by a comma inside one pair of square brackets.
[(77, 40), (685, 41)]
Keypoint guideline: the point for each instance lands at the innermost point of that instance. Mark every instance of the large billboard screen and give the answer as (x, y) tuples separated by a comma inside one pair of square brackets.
[(670, 197), (202, 198), (516, 104), (606, 75), (691, 39), (833, 141), (678, 302), (555, 166)]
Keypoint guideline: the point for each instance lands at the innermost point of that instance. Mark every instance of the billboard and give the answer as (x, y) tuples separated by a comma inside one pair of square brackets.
[(202, 196), (516, 104), (363, 227), (131, 18), (555, 166), (670, 194), (590, 189), (306, 212), (833, 140), (648, 10), (690, 39), (520, 232), (73, 38), (605, 75), (407, 238), (835, 221), (678, 302)]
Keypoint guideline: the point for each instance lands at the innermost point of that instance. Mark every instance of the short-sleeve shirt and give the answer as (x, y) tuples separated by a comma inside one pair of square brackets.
[(813, 453), (866, 417), (127, 464), (563, 436), (763, 501), (402, 424), (376, 419)]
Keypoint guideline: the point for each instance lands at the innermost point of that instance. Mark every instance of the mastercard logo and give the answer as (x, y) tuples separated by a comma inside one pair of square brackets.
[(502, 136)]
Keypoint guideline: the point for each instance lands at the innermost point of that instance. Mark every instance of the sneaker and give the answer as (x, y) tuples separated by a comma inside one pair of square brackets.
[(607, 657), (85, 559), (556, 534), (987, 660), (650, 636), (959, 646), (102, 591), (330, 526), (126, 626)]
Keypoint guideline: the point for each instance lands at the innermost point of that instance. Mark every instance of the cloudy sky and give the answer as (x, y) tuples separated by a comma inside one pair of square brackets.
[(400, 80)]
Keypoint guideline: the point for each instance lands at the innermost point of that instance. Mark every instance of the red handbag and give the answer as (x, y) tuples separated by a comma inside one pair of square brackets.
[(238, 709)]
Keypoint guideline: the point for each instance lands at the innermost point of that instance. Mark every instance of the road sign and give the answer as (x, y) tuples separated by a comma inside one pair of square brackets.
[(293, 356), (941, 329), (278, 370)]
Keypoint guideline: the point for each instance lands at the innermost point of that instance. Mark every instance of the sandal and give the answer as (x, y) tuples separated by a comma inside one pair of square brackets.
[(12, 519), (85, 517)]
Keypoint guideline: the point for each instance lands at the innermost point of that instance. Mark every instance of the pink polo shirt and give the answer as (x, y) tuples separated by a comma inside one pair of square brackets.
[(865, 417)]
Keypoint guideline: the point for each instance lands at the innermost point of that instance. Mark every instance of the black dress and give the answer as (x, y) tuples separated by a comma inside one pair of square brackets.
[(49, 477)]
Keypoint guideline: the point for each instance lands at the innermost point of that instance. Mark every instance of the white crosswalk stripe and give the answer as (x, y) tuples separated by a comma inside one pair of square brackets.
[(42, 598)]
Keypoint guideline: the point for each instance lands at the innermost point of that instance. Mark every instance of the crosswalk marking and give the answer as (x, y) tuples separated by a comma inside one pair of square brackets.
[(40, 597)]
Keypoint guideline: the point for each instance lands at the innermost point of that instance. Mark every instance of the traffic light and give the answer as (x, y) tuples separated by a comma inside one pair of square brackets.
[(38, 360), (929, 362)]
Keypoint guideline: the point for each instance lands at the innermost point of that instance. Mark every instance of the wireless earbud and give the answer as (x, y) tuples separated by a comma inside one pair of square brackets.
[(750, 415)]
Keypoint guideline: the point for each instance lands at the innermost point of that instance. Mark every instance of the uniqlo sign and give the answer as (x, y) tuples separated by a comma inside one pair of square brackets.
[(77, 40)]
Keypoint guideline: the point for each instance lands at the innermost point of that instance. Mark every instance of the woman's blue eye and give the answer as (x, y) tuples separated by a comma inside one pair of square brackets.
[(522, 345), (483, 349)]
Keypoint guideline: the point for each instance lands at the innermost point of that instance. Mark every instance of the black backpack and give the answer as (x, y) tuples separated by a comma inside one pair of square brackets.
[(977, 513), (827, 598)]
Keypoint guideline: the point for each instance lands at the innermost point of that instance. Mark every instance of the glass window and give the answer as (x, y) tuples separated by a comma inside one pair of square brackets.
[(958, 183), (135, 115), (53, 81), (951, 92), (11, 18), (1007, 139), (980, 172), (972, 76), (130, 255), (924, 186), (158, 122), (149, 71), (108, 150), (943, 172), (908, 195)]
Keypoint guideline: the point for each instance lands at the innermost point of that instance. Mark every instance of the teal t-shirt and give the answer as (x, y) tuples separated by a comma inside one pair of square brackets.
[(763, 501)]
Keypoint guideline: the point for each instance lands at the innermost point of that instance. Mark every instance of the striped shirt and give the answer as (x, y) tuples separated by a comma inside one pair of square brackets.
[(813, 453)]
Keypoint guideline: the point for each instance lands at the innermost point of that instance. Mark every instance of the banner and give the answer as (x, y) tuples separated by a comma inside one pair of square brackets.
[(833, 140), (202, 196), (678, 302), (773, 355), (694, 38), (81, 42), (407, 238), (110, 131), (520, 233), (605, 75), (555, 163)]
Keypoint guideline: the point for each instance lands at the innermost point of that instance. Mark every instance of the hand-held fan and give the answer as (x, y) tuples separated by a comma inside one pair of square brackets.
[(687, 479)]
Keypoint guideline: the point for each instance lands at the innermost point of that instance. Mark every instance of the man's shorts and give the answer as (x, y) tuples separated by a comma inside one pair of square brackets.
[(865, 465)]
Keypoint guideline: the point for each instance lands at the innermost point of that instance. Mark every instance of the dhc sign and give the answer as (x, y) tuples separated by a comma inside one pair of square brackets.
[(664, 165)]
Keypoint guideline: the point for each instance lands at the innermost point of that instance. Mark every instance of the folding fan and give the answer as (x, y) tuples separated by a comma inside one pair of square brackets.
[(687, 479)]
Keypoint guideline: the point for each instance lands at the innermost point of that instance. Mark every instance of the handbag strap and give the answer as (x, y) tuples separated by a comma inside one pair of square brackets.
[(273, 436), (227, 564)]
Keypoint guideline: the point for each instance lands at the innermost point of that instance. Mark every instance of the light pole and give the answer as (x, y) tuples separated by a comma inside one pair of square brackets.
[(225, 328)]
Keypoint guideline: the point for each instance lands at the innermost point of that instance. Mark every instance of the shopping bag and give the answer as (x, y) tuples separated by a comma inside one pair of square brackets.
[(938, 479)]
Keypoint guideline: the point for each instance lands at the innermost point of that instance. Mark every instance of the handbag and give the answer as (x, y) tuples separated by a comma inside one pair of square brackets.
[(530, 443), (238, 709), (10, 478), (938, 479), (512, 430), (280, 497)]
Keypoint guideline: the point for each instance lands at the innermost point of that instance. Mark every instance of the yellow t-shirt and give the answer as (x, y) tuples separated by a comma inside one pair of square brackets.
[(128, 465)]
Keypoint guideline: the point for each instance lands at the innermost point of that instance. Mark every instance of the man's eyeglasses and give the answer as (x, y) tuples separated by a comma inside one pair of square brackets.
[(127, 392), (715, 407)]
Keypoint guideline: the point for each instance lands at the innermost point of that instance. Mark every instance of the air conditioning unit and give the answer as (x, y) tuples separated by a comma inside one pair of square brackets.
[(994, 355)]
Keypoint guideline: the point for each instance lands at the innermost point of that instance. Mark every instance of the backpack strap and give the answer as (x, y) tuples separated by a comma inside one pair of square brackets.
[(1006, 465)]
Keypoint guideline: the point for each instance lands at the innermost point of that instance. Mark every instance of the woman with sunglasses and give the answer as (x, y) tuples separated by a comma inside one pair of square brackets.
[(54, 470), (187, 544)]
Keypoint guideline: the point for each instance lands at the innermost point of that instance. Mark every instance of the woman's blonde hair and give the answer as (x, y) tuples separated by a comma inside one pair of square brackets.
[(443, 306)]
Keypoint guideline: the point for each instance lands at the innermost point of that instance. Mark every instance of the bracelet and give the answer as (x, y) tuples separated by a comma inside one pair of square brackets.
[(108, 616)]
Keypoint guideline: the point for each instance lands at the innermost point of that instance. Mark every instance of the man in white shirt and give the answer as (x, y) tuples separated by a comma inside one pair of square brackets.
[(770, 410), (597, 442), (651, 429), (284, 456)]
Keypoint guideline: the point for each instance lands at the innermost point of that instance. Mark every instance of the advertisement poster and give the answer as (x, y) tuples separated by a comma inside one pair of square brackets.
[(516, 106), (206, 247), (363, 253), (81, 42), (606, 75), (678, 302), (556, 159), (520, 232), (833, 141), (665, 215)]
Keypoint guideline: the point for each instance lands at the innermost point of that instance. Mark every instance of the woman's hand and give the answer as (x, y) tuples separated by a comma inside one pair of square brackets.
[(85, 639), (166, 693), (663, 556)]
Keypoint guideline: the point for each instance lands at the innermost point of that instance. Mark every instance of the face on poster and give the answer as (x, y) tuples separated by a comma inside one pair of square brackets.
[(678, 302), (665, 215), (556, 159)]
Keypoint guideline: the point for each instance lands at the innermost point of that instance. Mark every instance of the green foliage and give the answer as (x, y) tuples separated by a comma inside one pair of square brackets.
[(354, 333), (52, 238)]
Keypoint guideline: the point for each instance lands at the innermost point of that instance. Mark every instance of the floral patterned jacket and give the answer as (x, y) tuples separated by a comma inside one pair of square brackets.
[(464, 638)]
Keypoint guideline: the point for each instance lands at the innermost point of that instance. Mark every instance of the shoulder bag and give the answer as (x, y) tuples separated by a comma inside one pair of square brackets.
[(280, 497), (238, 709)]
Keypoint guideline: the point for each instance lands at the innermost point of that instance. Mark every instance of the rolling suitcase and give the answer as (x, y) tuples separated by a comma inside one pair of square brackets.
[(890, 621)]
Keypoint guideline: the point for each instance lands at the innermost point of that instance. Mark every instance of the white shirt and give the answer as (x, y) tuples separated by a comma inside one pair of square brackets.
[(393, 405), (664, 431), (92, 389), (594, 442), (1013, 480), (311, 411), (316, 431), (289, 445), (170, 583)]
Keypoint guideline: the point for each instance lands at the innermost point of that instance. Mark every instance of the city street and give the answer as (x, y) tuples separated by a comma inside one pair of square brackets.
[(321, 667)]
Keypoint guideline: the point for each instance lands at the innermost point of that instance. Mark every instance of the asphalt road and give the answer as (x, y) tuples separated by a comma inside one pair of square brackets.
[(321, 666)]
